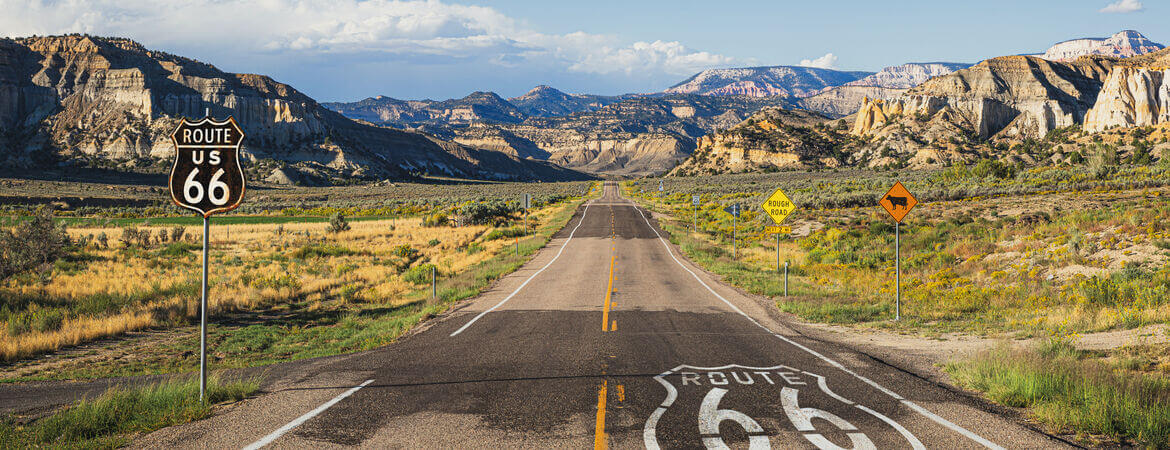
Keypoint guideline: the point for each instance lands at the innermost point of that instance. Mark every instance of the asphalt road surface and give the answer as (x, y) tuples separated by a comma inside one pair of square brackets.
[(607, 338)]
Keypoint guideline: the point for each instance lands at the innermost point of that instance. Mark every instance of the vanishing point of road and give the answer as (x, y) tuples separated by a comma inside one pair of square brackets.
[(607, 338)]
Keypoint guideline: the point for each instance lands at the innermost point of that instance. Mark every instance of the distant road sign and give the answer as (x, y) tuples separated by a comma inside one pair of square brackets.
[(898, 201), (695, 200), (207, 177), (778, 230), (527, 201), (733, 209), (778, 206), (660, 189)]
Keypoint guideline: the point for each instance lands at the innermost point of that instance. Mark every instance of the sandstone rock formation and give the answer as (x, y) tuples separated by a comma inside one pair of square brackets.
[(1123, 44), (764, 81), (1131, 97), (845, 100), (1009, 96), (908, 75), (109, 101), (772, 139)]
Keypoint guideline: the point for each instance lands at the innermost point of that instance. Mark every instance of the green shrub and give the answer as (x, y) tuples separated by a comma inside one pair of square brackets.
[(420, 274), (437, 220), (31, 244), (501, 233), (337, 223)]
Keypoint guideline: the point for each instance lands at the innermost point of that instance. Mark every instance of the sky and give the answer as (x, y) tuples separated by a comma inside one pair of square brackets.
[(346, 50)]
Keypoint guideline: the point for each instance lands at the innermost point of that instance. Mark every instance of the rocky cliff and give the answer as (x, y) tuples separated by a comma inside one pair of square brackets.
[(1009, 96), (1123, 44), (764, 81), (111, 102), (842, 101), (1133, 95), (772, 139)]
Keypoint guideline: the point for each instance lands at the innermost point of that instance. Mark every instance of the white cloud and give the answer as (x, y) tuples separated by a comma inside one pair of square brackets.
[(415, 31), (828, 61), (1123, 6)]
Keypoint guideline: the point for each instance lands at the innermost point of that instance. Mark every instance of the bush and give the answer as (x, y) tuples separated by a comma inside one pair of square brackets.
[(500, 233), (337, 223), (436, 220), (495, 212), (177, 233), (31, 244), (420, 274)]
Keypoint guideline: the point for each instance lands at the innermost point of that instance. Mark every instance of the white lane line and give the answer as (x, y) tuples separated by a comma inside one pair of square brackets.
[(525, 283), (302, 419), (932, 416)]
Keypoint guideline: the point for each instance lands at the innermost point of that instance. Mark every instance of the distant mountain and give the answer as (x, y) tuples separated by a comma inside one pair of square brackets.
[(789, 81), (1124, 44), (476, 107), (908, 75), (110, 102), (545, 101), (637, 136)]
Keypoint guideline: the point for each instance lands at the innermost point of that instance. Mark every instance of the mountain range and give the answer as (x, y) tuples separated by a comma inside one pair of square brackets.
[(78, 101), (110, 102)]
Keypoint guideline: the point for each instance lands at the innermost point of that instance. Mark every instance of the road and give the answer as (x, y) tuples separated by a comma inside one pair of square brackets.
[(607, 338)]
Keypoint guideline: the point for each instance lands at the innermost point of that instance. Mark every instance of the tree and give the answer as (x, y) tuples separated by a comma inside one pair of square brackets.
[(32, 244), (337, 223)]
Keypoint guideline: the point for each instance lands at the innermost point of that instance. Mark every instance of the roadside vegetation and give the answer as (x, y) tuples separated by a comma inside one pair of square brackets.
[(280, 290), (993, 250), (1070, 391), (112, 419)]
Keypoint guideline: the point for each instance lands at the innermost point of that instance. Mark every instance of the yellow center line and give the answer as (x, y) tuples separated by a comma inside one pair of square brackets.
[(599, 439), (608, 293)]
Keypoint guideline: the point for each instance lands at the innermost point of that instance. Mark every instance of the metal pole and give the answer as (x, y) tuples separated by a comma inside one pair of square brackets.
[(733, 236), (203, 316), (898, 271), (777, 252), (434, 292), (785, 278)]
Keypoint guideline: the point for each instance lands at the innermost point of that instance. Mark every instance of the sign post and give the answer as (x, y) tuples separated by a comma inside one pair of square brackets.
[(207, 178), (733, 209), (898, 202), (779, 207)]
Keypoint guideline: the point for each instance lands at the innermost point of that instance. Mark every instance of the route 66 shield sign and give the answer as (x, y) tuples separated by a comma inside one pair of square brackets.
[(207, 177), (762, 407)]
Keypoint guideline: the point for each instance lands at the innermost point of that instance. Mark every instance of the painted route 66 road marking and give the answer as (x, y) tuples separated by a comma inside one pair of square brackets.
[(743, 397)]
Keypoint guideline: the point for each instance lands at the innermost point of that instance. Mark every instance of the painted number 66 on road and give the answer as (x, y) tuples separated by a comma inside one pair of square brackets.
[(207, 177)]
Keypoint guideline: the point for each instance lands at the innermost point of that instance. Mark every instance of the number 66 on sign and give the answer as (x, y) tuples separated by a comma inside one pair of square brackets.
[(207, 177)]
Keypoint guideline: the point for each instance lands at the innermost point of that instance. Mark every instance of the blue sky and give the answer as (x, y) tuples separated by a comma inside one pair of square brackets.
[(351, 49)]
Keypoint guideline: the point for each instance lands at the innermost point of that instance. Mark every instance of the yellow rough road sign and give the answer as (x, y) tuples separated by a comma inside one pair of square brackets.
[(778, 206)]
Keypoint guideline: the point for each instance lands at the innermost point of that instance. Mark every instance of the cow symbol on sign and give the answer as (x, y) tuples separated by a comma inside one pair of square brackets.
[(709, 406)]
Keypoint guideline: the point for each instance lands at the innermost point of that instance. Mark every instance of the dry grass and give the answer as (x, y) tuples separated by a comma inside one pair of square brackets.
[(254, 266)]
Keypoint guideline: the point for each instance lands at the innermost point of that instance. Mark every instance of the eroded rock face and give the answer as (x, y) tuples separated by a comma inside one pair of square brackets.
[(1009, 96), (771, 139), (70, 97), (1131, 97)]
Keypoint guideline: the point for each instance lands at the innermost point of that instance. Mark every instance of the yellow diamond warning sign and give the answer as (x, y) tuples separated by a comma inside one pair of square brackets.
[(778, 206), (898, 201)]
